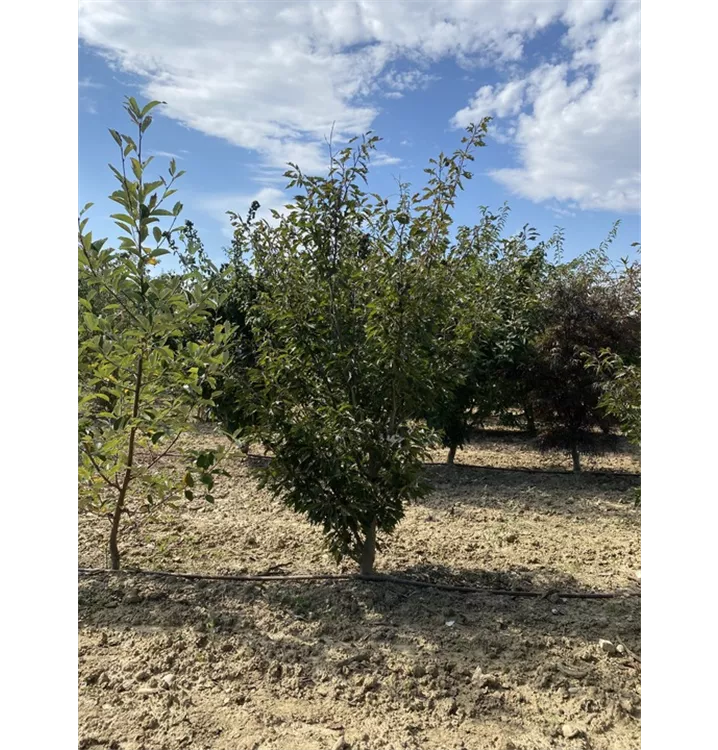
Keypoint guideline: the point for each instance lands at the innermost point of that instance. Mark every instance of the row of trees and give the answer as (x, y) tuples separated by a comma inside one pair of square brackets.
[(348, 335)]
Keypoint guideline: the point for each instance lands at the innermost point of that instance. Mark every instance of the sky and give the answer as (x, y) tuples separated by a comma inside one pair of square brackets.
[(250, 86)]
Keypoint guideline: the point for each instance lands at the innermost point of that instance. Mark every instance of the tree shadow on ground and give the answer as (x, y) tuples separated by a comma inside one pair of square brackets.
[(567, 494), (368, 648), (345, 609)]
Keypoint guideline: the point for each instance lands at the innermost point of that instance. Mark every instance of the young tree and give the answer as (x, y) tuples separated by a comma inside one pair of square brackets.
[(353, 320), (139, 380), (588, 306)]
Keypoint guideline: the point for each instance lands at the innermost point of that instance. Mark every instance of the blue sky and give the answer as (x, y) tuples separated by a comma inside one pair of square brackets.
[(251, 85)]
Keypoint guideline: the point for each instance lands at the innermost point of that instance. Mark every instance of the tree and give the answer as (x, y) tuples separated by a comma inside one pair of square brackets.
[(499, 279), (620, 386), (139, 380), (587, 306), (352, 323)]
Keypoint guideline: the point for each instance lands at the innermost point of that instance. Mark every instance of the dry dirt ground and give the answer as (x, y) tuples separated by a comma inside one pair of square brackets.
[(166, 664)]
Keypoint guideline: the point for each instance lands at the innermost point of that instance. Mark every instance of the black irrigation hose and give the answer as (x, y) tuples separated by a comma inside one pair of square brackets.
[(370, 578)]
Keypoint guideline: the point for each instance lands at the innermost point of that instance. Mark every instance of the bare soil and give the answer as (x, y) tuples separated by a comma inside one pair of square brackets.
[(170, 663)]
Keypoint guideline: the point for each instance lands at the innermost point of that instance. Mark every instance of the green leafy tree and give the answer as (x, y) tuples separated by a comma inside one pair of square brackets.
[(353, 321), (588, 305), (139, 378), (499, 281), (620, 386)]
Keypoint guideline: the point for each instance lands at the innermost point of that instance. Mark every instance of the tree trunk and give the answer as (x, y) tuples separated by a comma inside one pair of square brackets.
[(530, 420), (576, 459), (114, 549), (120, 506), (368, 553), (605, 426), (452, 454)]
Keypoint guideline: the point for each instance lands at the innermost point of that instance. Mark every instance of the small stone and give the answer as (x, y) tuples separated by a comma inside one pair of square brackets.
[(132, 597), (103, 679), (606, 646), (621, 648), (510, 538), (433, 670), (110, 605), (370, 682), (478, 675), (569, 731), (128, 684), (418, 670), (168, 680), (339, 744), (148, 690), (554, 611), (450, 623)]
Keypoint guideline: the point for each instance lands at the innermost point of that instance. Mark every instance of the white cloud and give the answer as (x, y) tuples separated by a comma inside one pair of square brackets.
[(558, 211), (88, 105), (274, 77), (165, 154), (408, 80), (576, 125), (382, 159), (88, 83)]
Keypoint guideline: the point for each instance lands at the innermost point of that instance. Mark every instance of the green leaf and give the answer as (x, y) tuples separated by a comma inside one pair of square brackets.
[(150, 106), (116, 136), (157, 233), (150, 186), (134, 106), (136, 168), (122, 217)]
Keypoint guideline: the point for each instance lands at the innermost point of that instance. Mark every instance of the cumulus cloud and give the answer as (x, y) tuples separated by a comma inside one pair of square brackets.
[(576, 124), (276, 77)]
